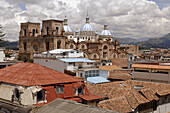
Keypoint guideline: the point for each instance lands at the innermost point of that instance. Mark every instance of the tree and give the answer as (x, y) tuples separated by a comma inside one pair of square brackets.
[(2, 34)]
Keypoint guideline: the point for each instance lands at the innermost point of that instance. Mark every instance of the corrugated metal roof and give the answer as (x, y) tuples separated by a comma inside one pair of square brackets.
[(96, 80), (65, 106), (32, 74), (76, 60)]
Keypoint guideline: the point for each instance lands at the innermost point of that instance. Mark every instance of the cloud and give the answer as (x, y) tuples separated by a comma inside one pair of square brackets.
[(135, 18)]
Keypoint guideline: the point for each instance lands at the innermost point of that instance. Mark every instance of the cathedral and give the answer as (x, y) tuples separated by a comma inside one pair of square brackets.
[(57, 34)]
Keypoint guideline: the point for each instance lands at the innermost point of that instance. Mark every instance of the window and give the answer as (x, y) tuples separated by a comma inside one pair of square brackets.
[(56, 30), (71, 46), (70, 36), (36, 30), (25, 46), (70, 63), (47, 30), (47, 46), (35, 48), (16, 94), (82, 46), (59, 89), (95, 56), (80, 91), (25, 32), (33, 32), (58, 44), (40, 96)]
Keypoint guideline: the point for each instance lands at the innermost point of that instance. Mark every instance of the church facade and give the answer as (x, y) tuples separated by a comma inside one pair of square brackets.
[(57, 34)]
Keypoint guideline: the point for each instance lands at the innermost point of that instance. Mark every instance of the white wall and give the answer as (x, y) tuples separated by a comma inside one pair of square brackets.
[(52, 63), (2, 55)]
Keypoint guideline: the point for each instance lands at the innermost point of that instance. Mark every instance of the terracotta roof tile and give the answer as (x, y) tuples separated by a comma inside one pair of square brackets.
[(31, 74), (136, 92), (120, 62), (116, 104), (120, 74), (151, 66), (109, 68)]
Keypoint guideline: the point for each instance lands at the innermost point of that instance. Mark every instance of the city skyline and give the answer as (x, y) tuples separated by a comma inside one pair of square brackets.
[(134, 19)]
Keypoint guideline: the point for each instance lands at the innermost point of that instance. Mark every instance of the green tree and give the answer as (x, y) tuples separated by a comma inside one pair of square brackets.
[(2, 36)]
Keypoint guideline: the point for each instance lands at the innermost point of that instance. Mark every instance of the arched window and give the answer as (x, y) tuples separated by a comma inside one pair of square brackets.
[(16, 94), (35, 48), (33, 32), (105, 51), (25, 32), (58, 44), (47, 30), (56, 30), (105, 47), (114, 56), (71, 46), (94, 56), (47, 46), (82, 46)]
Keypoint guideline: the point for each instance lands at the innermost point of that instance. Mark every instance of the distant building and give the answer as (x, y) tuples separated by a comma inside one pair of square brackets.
[(57, 34), (158, 72), (133, 49), (62, 64), (25, 86), (5, 62), (2, 55)]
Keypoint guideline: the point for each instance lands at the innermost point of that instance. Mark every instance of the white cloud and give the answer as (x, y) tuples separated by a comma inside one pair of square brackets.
[(132, 18)]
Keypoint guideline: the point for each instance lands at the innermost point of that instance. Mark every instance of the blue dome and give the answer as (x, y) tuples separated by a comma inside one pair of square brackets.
[(67, 28), (87, 27), (106, 32)]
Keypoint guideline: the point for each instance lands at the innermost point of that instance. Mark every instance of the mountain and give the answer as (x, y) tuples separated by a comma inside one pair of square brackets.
[(12, 45), (126, 40), (162, 42), (145, 43)]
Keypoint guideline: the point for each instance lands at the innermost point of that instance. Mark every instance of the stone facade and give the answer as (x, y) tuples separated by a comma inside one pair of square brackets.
[(56, 34)]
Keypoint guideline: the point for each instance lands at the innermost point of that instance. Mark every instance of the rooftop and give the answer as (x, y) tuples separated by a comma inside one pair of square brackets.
[(164, 66), (77, 60), (32, 74), (132, 92), (120, 62), (123, 74), (65, 106), (96, 80), (59, 51), (109, 68)]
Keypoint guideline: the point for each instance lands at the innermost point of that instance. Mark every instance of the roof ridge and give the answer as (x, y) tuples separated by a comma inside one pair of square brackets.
[(32, 74)]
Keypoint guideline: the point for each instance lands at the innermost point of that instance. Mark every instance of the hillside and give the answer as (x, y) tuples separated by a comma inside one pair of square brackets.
[(12, 45), (163, 42)]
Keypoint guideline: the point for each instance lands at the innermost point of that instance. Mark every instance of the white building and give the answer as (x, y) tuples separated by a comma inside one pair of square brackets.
[(61, 53), (2, 55), (64, 59)]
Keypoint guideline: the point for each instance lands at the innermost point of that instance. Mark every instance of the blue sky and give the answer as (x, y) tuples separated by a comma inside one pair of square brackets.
[(162, 3)]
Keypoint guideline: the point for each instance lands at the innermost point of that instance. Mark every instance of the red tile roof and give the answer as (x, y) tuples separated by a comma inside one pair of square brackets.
[(91, 97), (109, 68), (135, 92), (117, 104), (151, 66), (31, 74), (120, 62)]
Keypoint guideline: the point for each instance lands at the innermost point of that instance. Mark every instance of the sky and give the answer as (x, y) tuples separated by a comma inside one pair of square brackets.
[(125, 18)]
